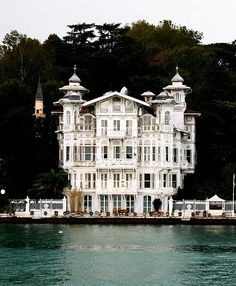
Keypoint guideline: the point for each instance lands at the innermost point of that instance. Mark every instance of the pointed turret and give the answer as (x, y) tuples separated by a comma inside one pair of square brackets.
[(74, 90), (38, 108), (177, 83)]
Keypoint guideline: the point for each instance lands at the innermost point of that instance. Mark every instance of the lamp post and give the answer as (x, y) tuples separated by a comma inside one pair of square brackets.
[(2, 192)]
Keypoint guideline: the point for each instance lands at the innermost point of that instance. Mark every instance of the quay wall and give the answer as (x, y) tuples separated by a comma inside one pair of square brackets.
[(118, 220)]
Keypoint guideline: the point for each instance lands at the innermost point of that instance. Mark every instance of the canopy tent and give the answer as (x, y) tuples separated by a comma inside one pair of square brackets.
[(215, 198)]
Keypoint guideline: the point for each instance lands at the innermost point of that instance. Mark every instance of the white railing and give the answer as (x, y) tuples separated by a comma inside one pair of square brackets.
[(202, 208), (39, 208), (121, 163), (115, 134)]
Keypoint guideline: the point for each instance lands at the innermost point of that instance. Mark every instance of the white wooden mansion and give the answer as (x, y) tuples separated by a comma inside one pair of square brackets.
[(122, 152)]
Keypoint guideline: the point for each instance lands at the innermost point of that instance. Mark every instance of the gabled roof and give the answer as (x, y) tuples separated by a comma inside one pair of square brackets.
[(115, 93)]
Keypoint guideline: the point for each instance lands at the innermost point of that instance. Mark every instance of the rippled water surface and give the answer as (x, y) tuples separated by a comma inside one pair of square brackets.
[(76, 255)]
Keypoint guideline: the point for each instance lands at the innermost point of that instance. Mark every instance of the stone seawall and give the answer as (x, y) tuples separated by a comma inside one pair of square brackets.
[(118, 220)]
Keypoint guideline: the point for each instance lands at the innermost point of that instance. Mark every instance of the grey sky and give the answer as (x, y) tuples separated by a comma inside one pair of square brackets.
[(40, 18)]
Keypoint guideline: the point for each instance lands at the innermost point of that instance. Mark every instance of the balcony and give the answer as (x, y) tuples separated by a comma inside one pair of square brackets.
[(117, 164), (115, 134), (79, 164)]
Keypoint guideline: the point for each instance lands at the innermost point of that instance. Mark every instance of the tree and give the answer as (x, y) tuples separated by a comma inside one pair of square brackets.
[(157, 204), (21, 57), (50, 184)]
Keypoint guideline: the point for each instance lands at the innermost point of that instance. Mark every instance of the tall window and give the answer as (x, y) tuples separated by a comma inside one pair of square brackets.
[(167, 153), (116, 152), (177, 97), (75, 117), (146, 153), (153, 153), (147, 181), (104, 152), (174, 181), (116, 202), (139, 153), (129, 152), (75, 157), (147, 204), (116, 104), (128, 106), (74, 177), (87, 153), (67, 117), (87, 203), (116, 125), (188, 154), (167, 118), (67, 153), (104, 180), (90, 181), (129, 127), (159, 153), (87, 122), (128, 181), (104, 127), (104, 203), (175, 155), (116, 180), (104, 106), (164, 180), (140, 181), (130, 203), (189, 130), (147, 122)]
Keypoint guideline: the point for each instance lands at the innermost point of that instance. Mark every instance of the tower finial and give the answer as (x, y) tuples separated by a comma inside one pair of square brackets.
[(177, 77), (74, 79)]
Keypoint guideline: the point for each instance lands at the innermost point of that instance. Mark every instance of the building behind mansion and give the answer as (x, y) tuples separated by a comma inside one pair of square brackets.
[(123, 153)]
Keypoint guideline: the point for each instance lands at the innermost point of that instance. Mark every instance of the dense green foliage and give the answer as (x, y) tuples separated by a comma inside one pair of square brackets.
[(141, 57)]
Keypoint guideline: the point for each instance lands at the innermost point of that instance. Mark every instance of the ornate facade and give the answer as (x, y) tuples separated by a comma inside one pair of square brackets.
[(123, 153)]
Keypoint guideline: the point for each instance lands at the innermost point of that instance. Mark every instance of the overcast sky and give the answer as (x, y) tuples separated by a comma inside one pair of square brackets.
[(40, 18)]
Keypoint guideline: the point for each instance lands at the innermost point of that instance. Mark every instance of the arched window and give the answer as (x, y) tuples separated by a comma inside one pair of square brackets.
[(87, 203), (167, 118), (147, 204), (177, 97)]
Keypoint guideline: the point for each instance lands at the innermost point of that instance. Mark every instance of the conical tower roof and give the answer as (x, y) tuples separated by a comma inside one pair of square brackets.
[(39, 94)]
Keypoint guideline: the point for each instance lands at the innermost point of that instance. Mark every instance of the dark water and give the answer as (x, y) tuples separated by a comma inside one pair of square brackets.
[(117, 255)]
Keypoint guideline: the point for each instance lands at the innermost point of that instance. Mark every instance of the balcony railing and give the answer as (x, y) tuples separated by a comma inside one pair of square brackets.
[(115, 134), (117, 163)]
